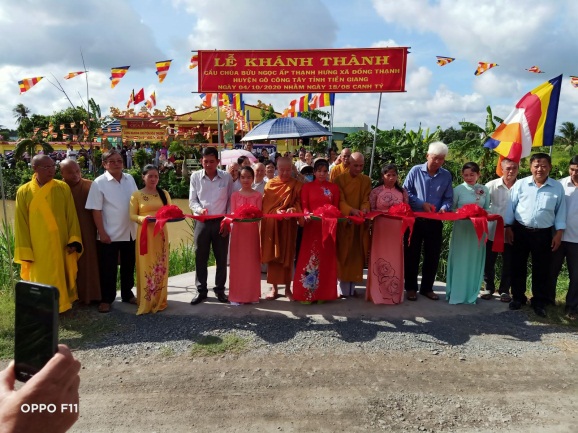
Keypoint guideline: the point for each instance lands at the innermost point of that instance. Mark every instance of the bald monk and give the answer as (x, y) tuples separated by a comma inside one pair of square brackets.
[(278, 237), (343, 166), (352, 239), (47, 235), (87, 278)]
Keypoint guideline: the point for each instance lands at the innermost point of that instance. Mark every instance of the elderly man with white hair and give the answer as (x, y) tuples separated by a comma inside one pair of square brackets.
[(429, 187)]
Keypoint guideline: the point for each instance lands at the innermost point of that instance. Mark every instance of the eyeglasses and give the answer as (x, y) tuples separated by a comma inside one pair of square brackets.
[(46, 167)]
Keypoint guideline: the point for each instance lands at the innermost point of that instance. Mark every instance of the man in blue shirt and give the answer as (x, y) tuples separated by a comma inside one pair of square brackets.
[(429, 187), (535, 222)]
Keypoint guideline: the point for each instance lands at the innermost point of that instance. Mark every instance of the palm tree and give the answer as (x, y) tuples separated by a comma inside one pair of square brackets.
[(20, 112), (569, 136), (29, 145)]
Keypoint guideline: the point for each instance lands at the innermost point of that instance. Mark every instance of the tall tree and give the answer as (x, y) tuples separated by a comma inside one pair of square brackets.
[(569, 136), (20, 112)]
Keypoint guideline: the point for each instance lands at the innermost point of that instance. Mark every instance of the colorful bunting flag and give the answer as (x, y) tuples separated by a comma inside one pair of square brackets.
[(238, 102), (442, 61), (116, 75), (535, 70), (194, 61), (162, 69), (139, 97), (151, 101), (531, 124), (27, 83), (73, 74), (303, 104), (319, 100), (290, 111), (574, 81), (208, 99), (483, 67)]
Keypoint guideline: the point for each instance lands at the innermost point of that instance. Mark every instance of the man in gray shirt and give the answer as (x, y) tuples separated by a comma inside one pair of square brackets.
[(209, 194)]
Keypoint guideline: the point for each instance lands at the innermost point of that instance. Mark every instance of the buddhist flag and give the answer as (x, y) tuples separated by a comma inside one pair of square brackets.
[(139, 97), (151, 101), (238, 102), (73, 74), (442, 61), (531, 124), (535, 70), (483, 67), (574, 81), (116, 75), (207, 99), (303, 103), (290, 111), (322, 100), (225, 99), (130, 99), (162, 69), (27, 83), (194, 61)]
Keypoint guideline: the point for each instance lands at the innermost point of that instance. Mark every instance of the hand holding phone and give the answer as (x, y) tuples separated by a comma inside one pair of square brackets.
[(36, 328)]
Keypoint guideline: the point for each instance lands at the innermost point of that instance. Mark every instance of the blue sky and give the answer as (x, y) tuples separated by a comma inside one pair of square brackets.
[(516, 34)]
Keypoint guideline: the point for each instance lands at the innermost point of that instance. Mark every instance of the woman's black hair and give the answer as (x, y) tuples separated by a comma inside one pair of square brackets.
[(144, 172), (385, 169), (471, 166), (249, 169), (320, 163)]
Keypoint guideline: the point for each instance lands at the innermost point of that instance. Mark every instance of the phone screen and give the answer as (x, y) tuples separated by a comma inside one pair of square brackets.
[(36, 327)]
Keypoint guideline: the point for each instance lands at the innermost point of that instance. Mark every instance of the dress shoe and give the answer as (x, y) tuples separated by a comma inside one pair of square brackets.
[(221, 297), (515, 305), (540, 311), (199, 297)]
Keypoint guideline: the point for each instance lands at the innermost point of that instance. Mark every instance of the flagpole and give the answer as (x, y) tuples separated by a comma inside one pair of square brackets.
[(375, 136), (331, 128), (218, 124)]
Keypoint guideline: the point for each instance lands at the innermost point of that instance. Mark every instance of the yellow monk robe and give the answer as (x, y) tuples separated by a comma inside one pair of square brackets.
[(352, 239), (336, 171), (278, 237), (45, 223)]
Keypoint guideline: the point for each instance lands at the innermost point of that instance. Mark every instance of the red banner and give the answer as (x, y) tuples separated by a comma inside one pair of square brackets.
[(356, 70)]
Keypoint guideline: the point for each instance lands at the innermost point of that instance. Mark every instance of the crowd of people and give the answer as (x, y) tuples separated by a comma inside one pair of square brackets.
[(319, 231)]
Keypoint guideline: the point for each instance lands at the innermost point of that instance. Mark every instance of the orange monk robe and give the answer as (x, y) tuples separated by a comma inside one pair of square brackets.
[(278, 236), (336, 171), (352, 239), (87, 278)]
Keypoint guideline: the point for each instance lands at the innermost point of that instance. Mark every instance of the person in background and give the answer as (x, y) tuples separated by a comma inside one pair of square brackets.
[(499, 190), (47, 235), (233, 170), (429, 187), (352, 239), (209, 194), (343, 166), (243, 161), (535, 222), (309, 158), (270, 170), (56, 383), (109, 199), (249, 147), (569, 247), (467, 254), (259, 181), (88, 277), (331, 156), (307, 174), (152, 268), (278, 236), (265, 154), (301, 162)]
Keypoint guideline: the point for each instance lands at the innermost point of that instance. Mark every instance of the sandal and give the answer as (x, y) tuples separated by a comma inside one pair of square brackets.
[(431, 295), (505, 297), (272, 295), (486, 297), (411, 295), (104, 307)]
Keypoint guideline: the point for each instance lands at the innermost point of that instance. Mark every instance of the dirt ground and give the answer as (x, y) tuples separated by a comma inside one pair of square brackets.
[(358, 392)]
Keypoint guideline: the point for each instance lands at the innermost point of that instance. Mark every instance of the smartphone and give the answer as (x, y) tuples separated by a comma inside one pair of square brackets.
[(36, 328)]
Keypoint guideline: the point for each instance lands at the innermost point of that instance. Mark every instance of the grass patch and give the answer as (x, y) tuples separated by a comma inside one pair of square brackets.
[(6, 324), (84, 324), (166, 351), (211, 345)]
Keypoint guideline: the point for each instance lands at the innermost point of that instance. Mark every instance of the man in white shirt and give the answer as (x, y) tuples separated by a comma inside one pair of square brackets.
[(109, 199), (499, 201), (301, 162), (209, 194), (259, 181), (569, 248)]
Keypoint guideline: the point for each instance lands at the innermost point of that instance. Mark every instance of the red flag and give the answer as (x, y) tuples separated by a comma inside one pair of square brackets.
[(139, 97)]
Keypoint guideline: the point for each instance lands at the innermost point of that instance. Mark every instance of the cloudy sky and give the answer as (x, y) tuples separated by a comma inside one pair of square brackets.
[(44, 38)]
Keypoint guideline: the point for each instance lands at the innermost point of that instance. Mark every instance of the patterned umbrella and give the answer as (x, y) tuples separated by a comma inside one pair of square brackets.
[(286, 127)]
